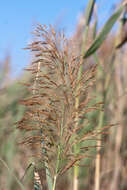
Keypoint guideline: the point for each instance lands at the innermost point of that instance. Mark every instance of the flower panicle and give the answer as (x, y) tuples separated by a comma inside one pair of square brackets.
[(50, 118)]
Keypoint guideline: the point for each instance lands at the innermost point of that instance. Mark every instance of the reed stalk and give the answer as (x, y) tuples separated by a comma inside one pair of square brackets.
[(88, 15), (119, 42)]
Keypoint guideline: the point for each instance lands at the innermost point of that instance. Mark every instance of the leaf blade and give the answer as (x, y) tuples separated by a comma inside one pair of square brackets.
[(89, 11), (104, 32)]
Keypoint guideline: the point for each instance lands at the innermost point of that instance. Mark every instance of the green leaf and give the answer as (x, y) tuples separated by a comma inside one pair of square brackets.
[(89, 11), (104, 32), (94, 29), (88, 15)]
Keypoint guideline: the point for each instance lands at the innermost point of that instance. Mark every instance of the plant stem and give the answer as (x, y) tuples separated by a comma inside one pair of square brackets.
[(48, 177), (100, 124), (119, 118), (75, 178), (88, 14), (98, 156), (59, 149), (54, 183), (11, 172)]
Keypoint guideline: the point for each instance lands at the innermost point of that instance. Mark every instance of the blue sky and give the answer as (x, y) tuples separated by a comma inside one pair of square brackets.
[(18, 18)]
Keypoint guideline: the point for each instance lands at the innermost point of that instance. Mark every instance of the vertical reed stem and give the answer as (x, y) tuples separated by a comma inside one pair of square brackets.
[(119, 118), (54, 183), (88, 14), (76, 168), (100, 125), (98, 157)]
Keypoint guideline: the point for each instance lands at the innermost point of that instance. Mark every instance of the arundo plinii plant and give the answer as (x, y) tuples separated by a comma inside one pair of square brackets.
[(56, 118), (54, 122)]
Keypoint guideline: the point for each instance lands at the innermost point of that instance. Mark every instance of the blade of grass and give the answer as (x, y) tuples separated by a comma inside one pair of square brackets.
[(88, 15), (104, 32)]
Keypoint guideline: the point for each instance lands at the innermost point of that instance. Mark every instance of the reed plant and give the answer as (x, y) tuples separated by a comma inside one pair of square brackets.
[(51, 116), (56, 119)]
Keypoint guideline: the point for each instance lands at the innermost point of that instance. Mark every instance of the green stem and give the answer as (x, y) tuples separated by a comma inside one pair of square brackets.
[(100, 125), (76, 149), (59, 150), (88, 15), (48, 177), (98, 156)]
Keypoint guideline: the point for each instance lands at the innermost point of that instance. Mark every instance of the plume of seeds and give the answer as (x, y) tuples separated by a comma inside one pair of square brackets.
[(50, 121)]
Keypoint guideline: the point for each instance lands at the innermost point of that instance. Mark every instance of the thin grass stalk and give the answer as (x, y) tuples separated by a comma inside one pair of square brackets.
[(98, 156), (11, 172), (101, 116), (88, 14), (99, 127), (100, 123), (119, 130), (48, 177), (59, 151), (120, 106), (54, 182), (102, 98)]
